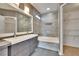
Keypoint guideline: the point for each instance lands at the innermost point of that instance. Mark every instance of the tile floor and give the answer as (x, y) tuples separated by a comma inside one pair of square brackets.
[(44, 52)]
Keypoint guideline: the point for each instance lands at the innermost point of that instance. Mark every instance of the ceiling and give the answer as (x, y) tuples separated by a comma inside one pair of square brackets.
[(6, 6), (71, 7), (41, 7)]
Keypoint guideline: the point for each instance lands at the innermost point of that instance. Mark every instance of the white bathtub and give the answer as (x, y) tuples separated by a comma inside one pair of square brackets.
[(51, 43)]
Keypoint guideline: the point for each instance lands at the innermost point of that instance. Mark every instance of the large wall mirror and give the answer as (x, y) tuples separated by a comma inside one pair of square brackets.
[(24, 23), (14, 21), (7, 26)]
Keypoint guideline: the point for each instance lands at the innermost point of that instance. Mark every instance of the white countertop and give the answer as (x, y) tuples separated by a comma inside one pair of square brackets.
[(48, 39), (4, 43), (6, 34), (20, 38)]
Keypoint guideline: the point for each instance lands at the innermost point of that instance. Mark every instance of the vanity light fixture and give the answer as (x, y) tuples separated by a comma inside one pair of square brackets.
[(37, 16), (47, 8)]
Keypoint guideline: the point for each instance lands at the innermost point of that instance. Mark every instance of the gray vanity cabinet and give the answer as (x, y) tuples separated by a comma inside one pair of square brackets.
[(4, 48), (24, 48)]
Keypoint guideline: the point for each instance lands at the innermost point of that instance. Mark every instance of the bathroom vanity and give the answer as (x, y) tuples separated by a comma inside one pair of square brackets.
[(22, 45), (4, 47)]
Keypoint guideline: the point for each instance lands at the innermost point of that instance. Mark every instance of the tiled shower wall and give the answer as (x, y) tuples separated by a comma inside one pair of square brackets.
[(71, 28), (50, 24)]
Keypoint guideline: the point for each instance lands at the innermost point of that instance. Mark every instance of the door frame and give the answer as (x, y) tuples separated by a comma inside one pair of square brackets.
[(61, 28)]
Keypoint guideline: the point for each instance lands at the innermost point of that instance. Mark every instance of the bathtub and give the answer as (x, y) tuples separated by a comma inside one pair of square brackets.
[(51, 43)]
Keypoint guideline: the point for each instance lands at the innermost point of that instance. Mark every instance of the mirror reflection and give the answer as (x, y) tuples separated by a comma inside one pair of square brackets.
[(23, 23)]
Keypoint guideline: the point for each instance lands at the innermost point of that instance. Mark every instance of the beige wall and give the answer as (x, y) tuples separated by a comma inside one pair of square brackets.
[(4, 12), (71, 26)]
